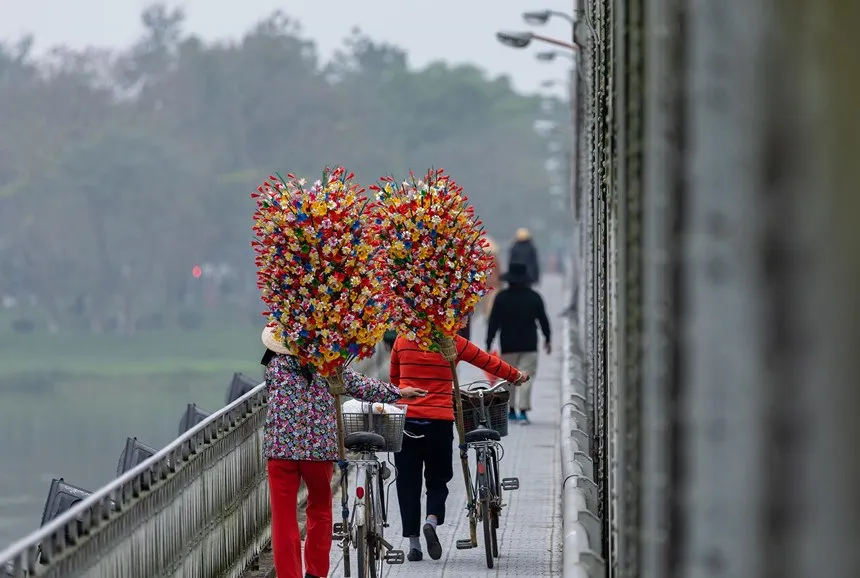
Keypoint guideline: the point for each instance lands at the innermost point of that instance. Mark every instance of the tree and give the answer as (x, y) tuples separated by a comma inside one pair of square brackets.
[(119, 171)]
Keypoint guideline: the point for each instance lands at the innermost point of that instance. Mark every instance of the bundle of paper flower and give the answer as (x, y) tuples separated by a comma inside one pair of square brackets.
[(319, 268), (434, 249)]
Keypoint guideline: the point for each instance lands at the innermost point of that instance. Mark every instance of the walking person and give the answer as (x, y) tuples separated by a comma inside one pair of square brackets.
[(382, 365), (517, 311), (524, 252), (466, 331), (429, 434), (494, 282), (300, 443)]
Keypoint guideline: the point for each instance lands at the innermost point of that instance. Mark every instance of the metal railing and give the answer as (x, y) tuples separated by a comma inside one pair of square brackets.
[(581, 526), (721, 280), (197, 508)]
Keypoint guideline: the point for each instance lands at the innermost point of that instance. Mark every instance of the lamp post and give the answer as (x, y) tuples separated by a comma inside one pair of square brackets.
[(552, 82), (538, 17), (550, 55), (523, 39)]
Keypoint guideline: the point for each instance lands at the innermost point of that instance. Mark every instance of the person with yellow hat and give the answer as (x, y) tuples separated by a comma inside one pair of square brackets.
[(523, 252)]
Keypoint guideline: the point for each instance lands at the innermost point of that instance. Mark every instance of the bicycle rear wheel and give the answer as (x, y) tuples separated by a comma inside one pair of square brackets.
[(488, 530), (366, 541), (366, 563)]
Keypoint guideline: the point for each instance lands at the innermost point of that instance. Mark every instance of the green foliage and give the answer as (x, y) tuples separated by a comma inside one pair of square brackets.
[(121, 171)]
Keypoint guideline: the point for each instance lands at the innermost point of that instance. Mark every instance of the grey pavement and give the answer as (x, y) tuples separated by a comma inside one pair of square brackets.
[(530, 530)]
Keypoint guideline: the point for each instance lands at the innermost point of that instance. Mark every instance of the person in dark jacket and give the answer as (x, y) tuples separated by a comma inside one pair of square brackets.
[(524, 252), (517, 311)]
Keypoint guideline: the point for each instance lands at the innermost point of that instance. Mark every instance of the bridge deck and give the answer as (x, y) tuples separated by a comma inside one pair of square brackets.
[(530, 530)]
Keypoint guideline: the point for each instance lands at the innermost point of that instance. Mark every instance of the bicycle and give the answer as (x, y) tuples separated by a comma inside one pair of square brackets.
[(364, 436), (485, 426)]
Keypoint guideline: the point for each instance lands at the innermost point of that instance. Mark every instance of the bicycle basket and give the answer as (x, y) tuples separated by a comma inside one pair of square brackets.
[(497, 412), (388, 425)]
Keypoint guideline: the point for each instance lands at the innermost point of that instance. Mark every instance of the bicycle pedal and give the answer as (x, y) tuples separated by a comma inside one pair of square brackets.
[(464, 544), (338, 533), (395, 557), (510, 484)]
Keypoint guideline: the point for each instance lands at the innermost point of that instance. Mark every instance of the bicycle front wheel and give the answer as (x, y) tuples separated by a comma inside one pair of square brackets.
[(494, 486)]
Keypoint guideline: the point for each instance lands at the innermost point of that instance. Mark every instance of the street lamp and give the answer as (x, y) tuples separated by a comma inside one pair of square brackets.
[(523, 39), (550, 82), (550, 55), (542, 16)]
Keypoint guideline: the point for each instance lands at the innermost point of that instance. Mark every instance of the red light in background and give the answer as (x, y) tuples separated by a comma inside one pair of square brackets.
[(197, 271)]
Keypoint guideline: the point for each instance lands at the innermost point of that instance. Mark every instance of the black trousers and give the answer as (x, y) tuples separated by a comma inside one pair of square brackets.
[(432, 456)]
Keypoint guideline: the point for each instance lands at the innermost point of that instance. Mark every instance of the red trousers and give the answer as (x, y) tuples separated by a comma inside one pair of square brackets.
[(284, 479)]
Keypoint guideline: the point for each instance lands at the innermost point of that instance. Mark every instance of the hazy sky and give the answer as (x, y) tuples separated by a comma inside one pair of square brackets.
[(451, 30)]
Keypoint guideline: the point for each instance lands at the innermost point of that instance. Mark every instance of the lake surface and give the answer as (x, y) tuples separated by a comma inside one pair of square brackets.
[(47, 437)]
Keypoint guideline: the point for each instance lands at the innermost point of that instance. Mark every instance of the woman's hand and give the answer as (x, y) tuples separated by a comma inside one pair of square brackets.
[(522, 377), (412, 392)]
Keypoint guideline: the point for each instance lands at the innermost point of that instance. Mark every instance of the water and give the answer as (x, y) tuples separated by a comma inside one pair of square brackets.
[(48, 437)]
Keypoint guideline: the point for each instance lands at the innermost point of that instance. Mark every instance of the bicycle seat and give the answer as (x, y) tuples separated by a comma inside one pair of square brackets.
[(364, 441), (482, 435)]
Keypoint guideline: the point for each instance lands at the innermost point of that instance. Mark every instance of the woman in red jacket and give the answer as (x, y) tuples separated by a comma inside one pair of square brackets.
[(427, 443)]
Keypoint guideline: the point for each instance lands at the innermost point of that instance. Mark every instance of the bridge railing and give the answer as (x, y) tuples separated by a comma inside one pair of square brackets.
[(582, 535), (198, 507)]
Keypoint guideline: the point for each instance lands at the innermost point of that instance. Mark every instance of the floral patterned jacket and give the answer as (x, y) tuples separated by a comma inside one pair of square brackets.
[(300, 422)]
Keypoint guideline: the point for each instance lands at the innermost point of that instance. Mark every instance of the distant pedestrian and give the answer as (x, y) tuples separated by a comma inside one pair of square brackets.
[(524, 252), (517, 311), (494, 283), (466, 331), (383, 358)]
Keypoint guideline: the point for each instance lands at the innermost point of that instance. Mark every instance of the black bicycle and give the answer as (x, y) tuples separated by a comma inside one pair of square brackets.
[(485, 421)]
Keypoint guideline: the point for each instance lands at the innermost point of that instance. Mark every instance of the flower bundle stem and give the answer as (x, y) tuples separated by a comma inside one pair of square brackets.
[(448, 347), (337, 388)]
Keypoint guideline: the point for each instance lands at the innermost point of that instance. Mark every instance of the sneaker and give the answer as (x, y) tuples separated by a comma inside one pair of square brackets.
[(434, 548), (415, 555), (512, 416), (524, 418)]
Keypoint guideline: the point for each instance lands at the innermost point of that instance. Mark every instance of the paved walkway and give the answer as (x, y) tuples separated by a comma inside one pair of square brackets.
[(530, 534)]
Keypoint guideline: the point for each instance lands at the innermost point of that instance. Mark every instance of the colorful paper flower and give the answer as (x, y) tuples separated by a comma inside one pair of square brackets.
[(436, 255), (319, 268)]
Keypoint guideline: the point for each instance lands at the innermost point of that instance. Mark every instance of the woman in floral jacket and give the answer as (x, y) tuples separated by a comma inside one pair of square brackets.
[(300, 443)]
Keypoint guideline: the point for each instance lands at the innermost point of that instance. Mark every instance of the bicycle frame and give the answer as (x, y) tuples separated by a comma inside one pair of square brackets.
[(484, 451), (368, 470), (362, 525), (486, 502)]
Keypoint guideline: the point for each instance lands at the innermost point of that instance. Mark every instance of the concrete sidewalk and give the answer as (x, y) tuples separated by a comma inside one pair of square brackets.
[(530, 530)]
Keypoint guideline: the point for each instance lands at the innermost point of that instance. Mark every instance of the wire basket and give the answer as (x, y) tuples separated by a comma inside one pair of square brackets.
[(388, 425), (497, 413)]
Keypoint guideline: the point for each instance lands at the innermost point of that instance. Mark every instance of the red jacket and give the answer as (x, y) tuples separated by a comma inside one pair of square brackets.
[(413, 367)]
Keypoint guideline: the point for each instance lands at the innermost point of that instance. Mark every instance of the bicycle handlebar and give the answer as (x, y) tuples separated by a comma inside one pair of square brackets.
[(469, 387)]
